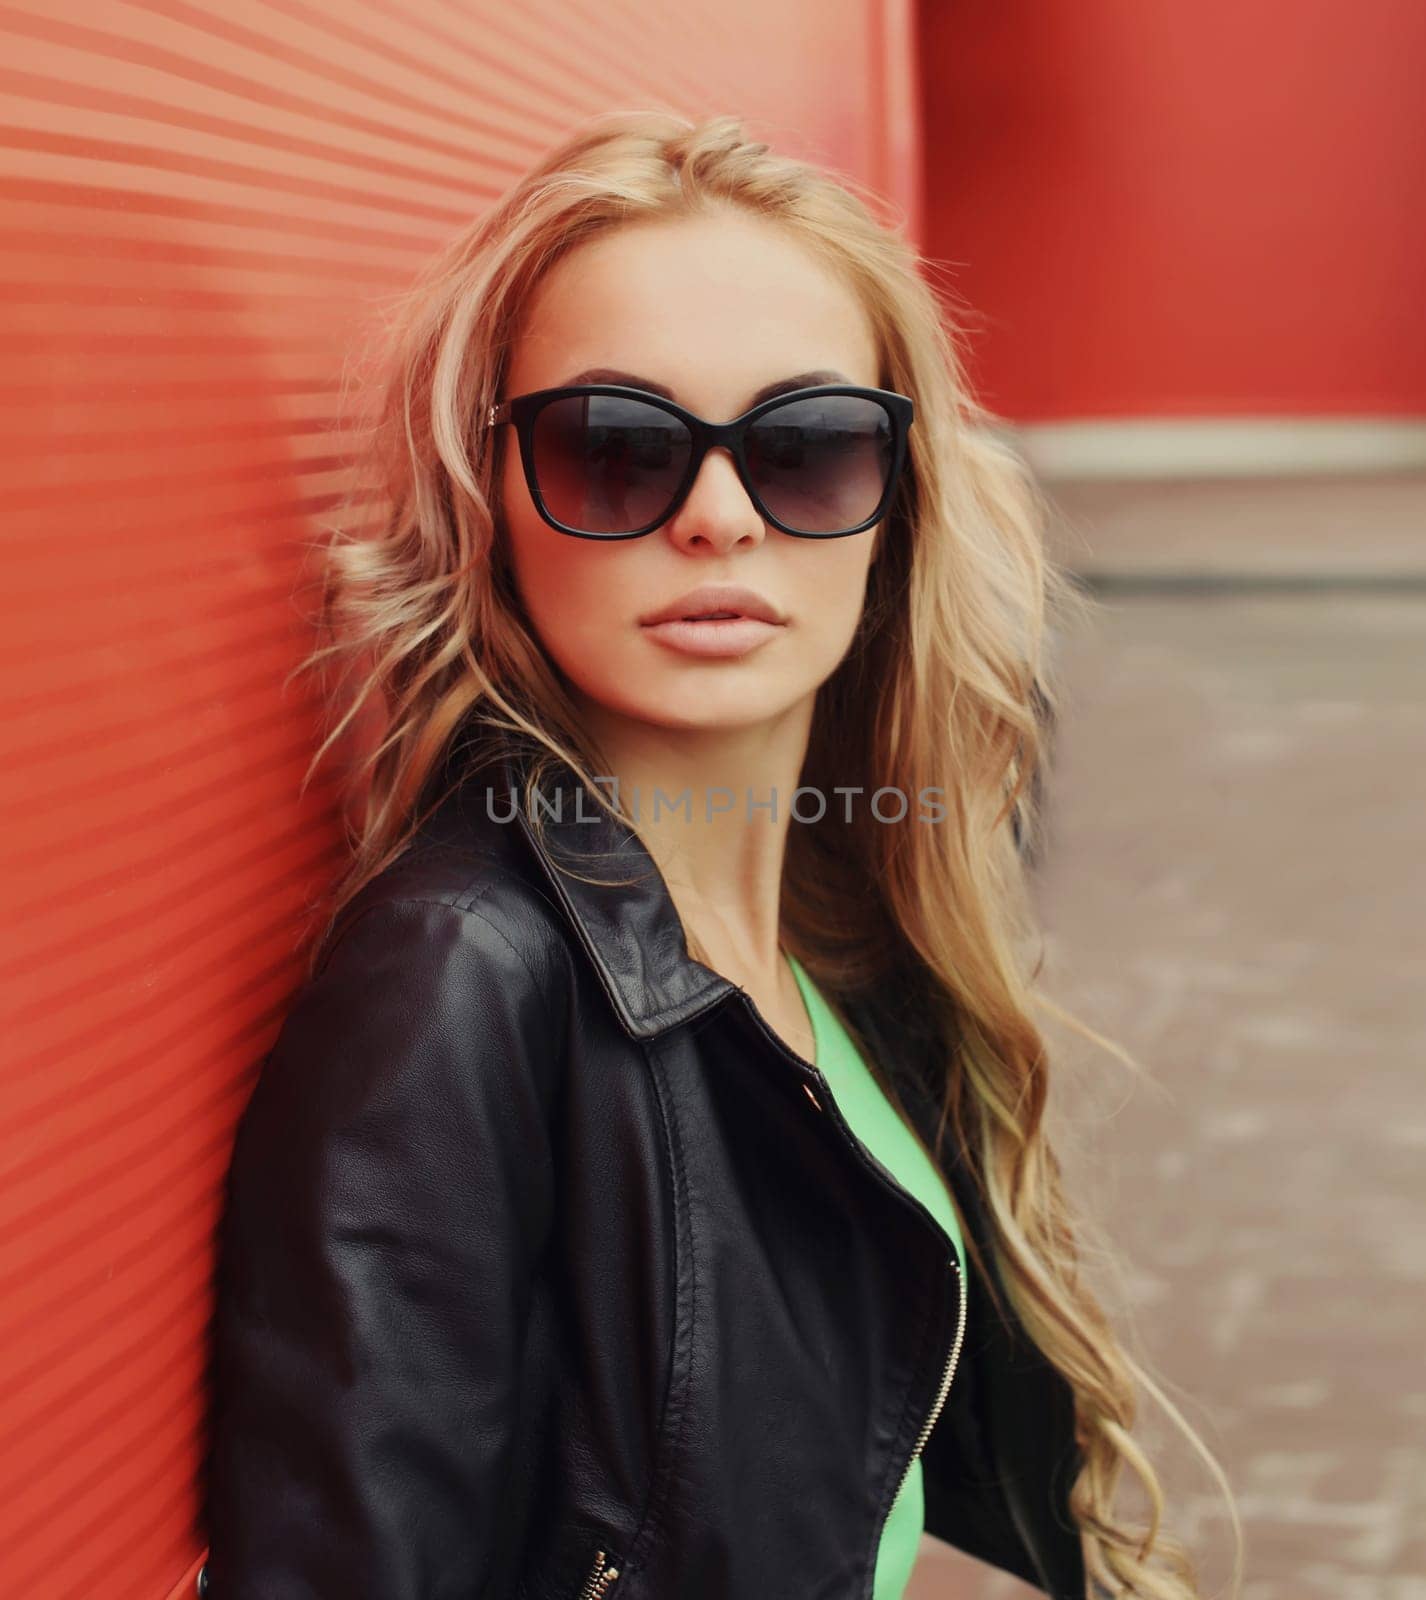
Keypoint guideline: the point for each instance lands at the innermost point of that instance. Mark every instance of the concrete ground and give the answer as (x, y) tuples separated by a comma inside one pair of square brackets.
[(1233, 889)]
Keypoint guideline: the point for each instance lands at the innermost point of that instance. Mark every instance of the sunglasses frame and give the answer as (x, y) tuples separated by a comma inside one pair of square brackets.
[(522, 411)]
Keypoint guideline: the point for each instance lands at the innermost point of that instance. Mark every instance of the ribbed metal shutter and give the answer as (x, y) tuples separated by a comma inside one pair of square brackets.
[(201, 202)]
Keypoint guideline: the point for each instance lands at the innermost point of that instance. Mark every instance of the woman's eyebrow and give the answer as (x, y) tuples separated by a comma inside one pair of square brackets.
[(803, 380)]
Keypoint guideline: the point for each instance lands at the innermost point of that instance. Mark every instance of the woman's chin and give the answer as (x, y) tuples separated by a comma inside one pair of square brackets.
[(700, 710)]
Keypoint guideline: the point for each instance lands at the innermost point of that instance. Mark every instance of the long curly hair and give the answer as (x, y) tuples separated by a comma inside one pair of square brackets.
[(949, 684)]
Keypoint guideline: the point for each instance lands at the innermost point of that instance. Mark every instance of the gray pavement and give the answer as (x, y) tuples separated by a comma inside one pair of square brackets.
[(1233, 889)]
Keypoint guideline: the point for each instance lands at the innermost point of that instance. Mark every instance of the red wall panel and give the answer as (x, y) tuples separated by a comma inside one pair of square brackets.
[(1170, 210), (203, 202)]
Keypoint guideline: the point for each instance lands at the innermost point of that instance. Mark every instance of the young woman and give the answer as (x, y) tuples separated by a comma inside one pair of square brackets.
[(648, 1194)]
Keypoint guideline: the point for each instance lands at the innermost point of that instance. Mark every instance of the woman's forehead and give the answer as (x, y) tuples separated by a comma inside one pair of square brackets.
[(711, 308)]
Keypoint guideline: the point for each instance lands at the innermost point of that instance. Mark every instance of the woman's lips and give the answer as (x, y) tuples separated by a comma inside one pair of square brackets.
[(713, 636)]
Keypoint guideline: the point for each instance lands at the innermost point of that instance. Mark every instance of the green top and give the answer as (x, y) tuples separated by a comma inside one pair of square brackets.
[(882, 1132)]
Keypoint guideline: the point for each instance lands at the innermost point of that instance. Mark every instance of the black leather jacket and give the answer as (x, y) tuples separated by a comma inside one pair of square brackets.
[(548, 1272)]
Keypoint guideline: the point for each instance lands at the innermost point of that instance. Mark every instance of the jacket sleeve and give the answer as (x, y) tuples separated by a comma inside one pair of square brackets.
[(389, 1192)]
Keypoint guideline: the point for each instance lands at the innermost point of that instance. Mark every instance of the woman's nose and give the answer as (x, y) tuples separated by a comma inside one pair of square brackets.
[(718, 510)]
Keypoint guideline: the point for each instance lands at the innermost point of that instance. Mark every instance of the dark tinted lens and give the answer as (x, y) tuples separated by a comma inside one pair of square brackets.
[(606, 464), (821, 465)]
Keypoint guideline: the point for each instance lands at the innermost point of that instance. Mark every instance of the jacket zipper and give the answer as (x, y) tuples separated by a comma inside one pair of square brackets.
[(808, 1069), (599, 1579), (952, 1357)]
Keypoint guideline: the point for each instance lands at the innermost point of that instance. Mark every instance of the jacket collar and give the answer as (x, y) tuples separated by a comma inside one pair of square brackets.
[(627, 922), (635, 938)]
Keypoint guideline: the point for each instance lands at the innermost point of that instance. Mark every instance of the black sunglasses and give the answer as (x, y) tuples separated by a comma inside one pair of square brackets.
[(603, 461)]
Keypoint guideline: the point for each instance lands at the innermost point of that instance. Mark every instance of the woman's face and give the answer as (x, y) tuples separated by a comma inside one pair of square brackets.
[(714, 310)]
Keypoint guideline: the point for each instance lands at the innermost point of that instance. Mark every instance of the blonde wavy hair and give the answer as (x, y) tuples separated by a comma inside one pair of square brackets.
[(949, 684)]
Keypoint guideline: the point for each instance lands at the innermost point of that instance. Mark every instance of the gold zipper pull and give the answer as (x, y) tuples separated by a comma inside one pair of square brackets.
[(599, 1579)]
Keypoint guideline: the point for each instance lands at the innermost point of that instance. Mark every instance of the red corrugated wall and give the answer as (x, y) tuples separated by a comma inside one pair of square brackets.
[(202, 201)]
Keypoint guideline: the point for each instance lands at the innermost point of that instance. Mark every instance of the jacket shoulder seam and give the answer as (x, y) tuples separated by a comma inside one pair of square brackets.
[(465, 902)]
